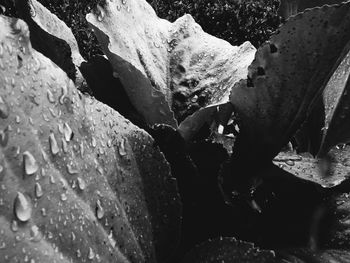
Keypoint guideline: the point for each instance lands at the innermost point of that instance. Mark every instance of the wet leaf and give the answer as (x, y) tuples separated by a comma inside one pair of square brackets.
[(47, 32), (292, 7), (336, 101), (78, 181), (328, 171), (181, 69), (285, 77)]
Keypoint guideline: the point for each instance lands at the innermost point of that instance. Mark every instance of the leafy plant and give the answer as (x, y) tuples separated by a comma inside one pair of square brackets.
[(76, 177), (108, 179)]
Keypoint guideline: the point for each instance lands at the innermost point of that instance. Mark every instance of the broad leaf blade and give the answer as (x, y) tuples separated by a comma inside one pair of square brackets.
[(78, 181), (183, 67), (336, 102), (286, 75), (131, 36), (292, 7), (328, 172)]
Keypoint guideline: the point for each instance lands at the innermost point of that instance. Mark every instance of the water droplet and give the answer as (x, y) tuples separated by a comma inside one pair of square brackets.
[(91, 254), (38, 190), (32, 9), (63, 197), (64, 146), (81, 183), (67, 131), (122, 151), (101, 13), (290, 162), (43, 212), (99, 210), (30, 164), (4, 109), (35, 233), (71, 170), (4, 137), (2, 245), (93, 142), (14, 226), (64, 92), (22, 207), (53, 144), (50, 96)]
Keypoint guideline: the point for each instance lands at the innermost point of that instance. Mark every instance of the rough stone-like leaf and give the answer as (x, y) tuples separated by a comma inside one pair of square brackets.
[(329, 171), (78, 182), (228, 250), (336, 102), (286, 75), (167, 65)]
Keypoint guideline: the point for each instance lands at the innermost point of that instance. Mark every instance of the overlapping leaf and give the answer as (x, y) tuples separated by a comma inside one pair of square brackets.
[(328, 172), (51, 37), (168, 67), (78, 182), (286, 75), (292, 7)]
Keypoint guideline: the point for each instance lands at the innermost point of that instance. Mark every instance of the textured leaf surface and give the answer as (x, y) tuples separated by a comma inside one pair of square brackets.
[(78, 182), (32, 10), (228, 250), (336, 102), (292, 7), (329, 171), (286, 75), (167, 66)]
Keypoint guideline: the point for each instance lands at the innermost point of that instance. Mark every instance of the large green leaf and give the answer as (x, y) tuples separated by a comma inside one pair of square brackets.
[(78, 182), (286, 76), (168, 67)]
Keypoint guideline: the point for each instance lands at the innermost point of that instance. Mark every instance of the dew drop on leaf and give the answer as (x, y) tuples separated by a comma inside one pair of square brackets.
[(43, 212), (71, 170), (93, 142), (122, 151), (50, 96), (101, 13), (22, 207), (4, 138), (91, 254), (290, 162), (67, 131), (99, 210), (53, 144), (35, 233), (63, 197), (38, 190), (30, 164), (4, 109), (14, 226), (64, 92), (81, 183)]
